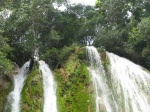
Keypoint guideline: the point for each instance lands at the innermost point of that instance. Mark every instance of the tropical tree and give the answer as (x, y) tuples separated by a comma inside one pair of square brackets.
[(139, 40), (5, 63), (29, 23)]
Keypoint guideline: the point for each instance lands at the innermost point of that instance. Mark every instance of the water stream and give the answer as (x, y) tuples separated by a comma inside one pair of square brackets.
[(131, 84), (14, 96), (49, 86), (126, 87), (103, 97)]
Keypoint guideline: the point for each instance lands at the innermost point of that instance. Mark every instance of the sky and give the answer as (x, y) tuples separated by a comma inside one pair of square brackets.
[(87, 2)]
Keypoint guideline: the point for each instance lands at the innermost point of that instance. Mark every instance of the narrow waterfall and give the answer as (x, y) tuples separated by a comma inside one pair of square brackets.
[(103, 96), (49, 88), (14, 96), (130, 84)]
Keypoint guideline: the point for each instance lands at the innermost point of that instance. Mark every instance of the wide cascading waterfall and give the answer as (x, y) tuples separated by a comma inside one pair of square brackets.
[(130, 84), (49, 88), (14, 96), (104, 98)]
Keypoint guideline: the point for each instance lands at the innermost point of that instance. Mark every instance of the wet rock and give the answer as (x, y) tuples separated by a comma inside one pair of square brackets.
[(15, 68), (31, 64), (15, 71), (91, 88)]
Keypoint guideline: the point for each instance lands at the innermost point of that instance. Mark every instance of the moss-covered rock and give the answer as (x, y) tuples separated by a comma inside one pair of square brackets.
[(5, 88), (32, 93), (74, 85), (104, 58), (6, 85)]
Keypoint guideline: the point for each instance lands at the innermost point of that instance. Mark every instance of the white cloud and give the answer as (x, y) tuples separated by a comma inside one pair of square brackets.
[(56, 6), (87, 2)]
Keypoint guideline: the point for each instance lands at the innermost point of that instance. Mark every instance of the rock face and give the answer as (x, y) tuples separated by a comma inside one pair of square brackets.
[(31, 64), (15, 71), (6, 85), (15, 68)]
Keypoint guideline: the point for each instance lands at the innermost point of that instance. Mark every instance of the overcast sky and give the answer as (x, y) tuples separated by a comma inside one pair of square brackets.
[(88, 2)]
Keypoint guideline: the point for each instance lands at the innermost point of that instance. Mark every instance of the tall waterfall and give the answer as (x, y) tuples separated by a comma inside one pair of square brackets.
[(49, 88), (19, 79), (131, 85), (104, 98), (126, 89)]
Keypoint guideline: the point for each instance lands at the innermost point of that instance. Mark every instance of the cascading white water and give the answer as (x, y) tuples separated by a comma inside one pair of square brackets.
[(129, 89), (103, 95), (19, 79), (49, 88), (131, 84)]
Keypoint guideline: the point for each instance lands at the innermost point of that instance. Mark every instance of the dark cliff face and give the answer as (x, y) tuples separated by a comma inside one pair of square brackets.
[(31, 64)]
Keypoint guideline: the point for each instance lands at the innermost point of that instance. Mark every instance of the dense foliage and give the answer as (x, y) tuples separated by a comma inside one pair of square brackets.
[(118, 26), (5, 64), (124, 29)]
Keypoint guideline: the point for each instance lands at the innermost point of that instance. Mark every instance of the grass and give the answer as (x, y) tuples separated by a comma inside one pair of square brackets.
[(73, 82), (32, 93)]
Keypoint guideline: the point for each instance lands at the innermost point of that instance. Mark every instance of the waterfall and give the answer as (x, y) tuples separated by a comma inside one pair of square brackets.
[(49, 88), (19, 79), (103, 96), (131, 84), (126, 87), (123, 88)]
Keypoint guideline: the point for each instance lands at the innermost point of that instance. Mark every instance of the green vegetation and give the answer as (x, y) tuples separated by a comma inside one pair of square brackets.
[(5, 89), (121, 27), (5, 63), (74, 93), (56, 57), (32, 93)]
